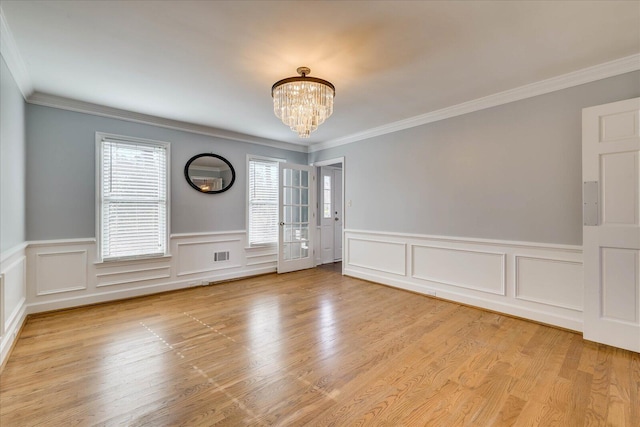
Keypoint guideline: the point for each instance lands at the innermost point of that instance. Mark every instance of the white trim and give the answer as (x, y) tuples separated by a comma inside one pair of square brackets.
[(559, 308), (461, 297), (48, 100), (475, 240), (115, 273), (517, 281), (321, 163), (60, 242), (12, 57), (39, 279), (205, 242), (130, 280), (368, 267), (117, 294), (12, 251), (16, 314), (128, 261), (503, 269), (564, 81), (206, 233), (21, 260), (590, 74), (329, 162), (11, 331), (206, 270)]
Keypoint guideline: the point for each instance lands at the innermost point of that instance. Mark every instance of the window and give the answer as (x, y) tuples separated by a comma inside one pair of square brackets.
[(326, 196), (132, 197), (263, 200)]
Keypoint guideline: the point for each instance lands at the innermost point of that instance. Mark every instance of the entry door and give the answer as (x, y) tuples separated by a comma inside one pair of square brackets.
[(295, 235), (326, 215), (331, 214), (337, 215), (611, 232)]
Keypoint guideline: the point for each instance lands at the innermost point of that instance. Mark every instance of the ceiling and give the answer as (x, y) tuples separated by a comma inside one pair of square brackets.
[(212, 63)]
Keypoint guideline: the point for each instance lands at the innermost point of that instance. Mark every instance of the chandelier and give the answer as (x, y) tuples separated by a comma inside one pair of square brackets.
[(303, 103)]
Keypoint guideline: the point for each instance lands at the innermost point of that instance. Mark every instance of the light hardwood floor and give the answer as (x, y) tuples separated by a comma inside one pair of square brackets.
[(309, 348)]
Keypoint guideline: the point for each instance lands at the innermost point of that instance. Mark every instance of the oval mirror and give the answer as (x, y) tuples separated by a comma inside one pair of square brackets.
[(209, 173)]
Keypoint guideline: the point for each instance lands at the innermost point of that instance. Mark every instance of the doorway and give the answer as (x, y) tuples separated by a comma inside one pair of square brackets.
[(330, 210)]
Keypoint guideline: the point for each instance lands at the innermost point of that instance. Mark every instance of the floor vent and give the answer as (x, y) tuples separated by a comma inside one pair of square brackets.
[(221, 256)]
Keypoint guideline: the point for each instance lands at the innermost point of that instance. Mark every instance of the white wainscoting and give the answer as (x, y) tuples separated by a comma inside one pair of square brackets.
[(13, 294), (377, 255), (66, 273), (70, 267), (542, 282)]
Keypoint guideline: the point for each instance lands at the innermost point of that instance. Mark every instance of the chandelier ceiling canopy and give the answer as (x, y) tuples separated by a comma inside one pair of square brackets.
[(303, 103)]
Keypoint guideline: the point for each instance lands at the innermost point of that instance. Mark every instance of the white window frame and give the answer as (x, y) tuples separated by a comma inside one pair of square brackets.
[(100, 138), (248, 199)]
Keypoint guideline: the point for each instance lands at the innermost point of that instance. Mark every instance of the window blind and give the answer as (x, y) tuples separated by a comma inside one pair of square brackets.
[(133, 199), (263, 201)]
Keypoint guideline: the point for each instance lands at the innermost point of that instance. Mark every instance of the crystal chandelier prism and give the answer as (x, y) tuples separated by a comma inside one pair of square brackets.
[(303, 103)]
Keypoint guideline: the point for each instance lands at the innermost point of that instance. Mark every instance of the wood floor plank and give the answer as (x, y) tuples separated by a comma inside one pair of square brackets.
[(309, 348)]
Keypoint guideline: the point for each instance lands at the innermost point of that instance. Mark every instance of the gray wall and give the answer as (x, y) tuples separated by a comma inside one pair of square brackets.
[(12, 161), (61, 174), (511, 172)]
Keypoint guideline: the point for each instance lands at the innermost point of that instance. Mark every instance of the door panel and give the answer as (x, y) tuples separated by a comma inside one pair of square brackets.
[(619, 188), (611, 242), (296, 216)]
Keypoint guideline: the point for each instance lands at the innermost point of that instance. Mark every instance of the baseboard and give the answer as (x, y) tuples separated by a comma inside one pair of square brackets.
[(521, 312), (11, 335), (13, 294)]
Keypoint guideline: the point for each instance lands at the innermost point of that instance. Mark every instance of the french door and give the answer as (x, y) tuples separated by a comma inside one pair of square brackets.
[(297, 217), (611, 218)]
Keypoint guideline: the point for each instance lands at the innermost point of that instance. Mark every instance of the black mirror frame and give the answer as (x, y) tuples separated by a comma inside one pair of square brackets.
[(197, 156)]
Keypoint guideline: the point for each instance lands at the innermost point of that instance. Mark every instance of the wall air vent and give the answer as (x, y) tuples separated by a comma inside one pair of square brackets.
[(221, 256)]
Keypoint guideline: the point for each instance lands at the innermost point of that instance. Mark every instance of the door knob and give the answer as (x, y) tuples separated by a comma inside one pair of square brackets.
[(336, 218), (282, 223)]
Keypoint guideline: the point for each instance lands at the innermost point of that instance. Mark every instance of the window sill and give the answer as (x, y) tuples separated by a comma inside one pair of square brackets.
[(128, 261), (261, 247)]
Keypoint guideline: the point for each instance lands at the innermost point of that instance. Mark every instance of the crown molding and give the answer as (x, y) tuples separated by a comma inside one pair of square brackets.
[(69, 104), (575, 78), (12, 57)]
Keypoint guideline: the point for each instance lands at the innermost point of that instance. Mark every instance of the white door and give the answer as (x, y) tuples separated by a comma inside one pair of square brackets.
[(331, 214), (295, 216), (326, 214), (611, 232), (337, 215)]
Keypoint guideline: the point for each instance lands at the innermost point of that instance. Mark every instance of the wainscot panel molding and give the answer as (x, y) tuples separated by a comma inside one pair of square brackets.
[(536, 278), (13, 295), (526, 279), (67, 273), (484, 271), (61, 271), (198, 256), (386, 256)]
